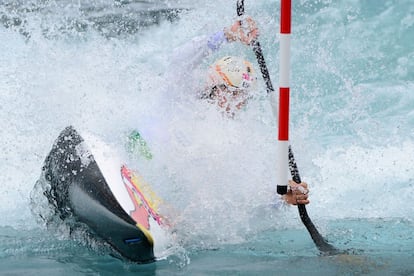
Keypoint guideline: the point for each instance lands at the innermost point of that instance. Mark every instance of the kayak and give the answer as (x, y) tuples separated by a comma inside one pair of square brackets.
[(88, 183)]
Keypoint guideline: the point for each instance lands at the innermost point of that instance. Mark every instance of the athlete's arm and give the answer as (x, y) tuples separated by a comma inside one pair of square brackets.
[(192, 53)]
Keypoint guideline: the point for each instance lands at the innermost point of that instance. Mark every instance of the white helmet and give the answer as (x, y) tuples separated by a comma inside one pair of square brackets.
[(234, 72)]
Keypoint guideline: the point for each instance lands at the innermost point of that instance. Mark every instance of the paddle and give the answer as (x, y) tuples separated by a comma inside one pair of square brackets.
[(320, 242)]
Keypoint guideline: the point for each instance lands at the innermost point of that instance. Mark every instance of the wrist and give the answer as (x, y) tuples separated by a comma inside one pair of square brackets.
[(230, 36), (215, 40)]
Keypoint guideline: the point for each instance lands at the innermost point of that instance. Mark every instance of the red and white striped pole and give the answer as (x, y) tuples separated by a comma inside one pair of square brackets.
[(284, 91)]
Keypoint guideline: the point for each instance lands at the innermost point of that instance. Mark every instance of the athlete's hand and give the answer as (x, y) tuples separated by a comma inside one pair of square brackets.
[(245, 31), (297, 193)]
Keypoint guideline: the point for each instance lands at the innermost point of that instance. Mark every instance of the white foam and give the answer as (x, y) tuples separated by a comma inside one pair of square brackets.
[(217, 171), (365, 182)]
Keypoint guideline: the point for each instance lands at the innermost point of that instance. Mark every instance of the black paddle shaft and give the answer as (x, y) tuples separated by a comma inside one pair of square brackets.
[(320, 242), (257, 49), (262, 64), (240, 7)]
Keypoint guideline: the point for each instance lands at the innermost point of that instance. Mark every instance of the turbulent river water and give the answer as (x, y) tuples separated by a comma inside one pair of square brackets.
[(100, 66)]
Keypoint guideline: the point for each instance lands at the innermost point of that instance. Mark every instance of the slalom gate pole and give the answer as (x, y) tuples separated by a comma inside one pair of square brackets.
[(284, 95), (285, 153)]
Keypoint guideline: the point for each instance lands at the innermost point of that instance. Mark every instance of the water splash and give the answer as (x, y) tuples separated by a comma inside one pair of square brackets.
[(351, 111)]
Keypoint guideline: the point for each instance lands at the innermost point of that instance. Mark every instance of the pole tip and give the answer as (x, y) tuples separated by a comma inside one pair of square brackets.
[(281, 190)]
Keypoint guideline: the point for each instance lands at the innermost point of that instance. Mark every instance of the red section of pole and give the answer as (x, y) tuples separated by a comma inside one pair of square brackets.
[(285, 18), (284, 113)]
